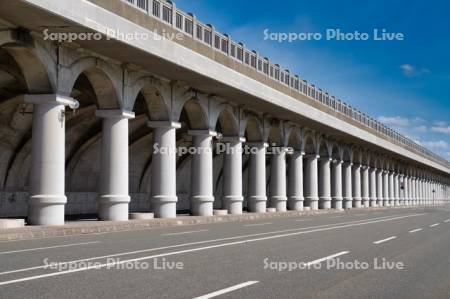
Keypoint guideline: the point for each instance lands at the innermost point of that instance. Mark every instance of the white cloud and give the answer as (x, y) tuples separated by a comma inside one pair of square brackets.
[(394, 120), (410, 70), (441, 129), (401, 121), (421, 129), (436, 145)]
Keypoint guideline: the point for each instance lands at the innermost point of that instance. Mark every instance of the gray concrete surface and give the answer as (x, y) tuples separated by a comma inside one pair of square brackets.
[(217, 256)]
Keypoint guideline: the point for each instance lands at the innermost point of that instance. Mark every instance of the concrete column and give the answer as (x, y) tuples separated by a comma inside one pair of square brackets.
[(295, 182), (379, 187), (47, 194), (336, 186), (385, 188), (277, 187), (232, 199), (373, 187), (113, 197), (311, 184), (391, 188), (396, 189), (414, 191), (347, 184), (163, 192), (356, 185), (365, 191), (325, 183), (406, 191), (401, 191), (257, 199), (202, 197)]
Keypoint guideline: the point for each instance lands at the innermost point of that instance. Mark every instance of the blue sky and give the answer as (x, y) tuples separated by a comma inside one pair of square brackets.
[(405, 84)]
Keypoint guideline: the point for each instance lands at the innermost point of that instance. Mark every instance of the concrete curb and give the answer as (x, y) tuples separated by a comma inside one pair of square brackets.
[(89, 227)]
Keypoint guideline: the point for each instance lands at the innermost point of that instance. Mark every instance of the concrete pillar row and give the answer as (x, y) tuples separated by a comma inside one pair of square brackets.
[(114, 199), (202, 197), (163, 191), (347, 185), (413, 191), (385, 188), (406, 193), (391, 188), (47, 195), (336, 186), (277, 187), (295, 181), (356, 185), (325, 183), (379, 187), (311, 181), (373, 187), (257, 199), (232, 199)]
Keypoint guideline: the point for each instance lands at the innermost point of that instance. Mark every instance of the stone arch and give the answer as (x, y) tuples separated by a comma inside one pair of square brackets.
[(194, 115), (227, 122), (309, 144), (347, 154), (36, 60), (154, 93), (324, 147), (253, 130), (102, 76), (294, 139), (276, 133)]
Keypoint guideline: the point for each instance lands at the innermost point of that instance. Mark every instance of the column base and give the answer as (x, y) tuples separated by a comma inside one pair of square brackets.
[(325, 203), (373, 202), (233, 204), (295, 203), (202, 205), (336, 203), (357, 202), (46, 209), (113, 207), (379, 202), (347, 203), (396, 202), (312, 202), (365, 202), (164, 206), (257, 204), (385, 203), (278, 202)]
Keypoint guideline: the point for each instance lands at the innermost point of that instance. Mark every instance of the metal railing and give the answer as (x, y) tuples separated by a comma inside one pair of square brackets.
[(188, 24)]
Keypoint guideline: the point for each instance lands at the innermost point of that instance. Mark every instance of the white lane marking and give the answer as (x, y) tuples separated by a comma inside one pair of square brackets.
[(301, 220), (48, 247), (448, 220), (99, 266), (318, 261), (227, 290), (415, 230), (384, 240), (258, 224), (195, 243), (433, 225), (188, 232)]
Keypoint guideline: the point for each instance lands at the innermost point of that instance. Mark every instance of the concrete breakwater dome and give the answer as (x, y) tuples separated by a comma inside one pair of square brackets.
[(79, 121)]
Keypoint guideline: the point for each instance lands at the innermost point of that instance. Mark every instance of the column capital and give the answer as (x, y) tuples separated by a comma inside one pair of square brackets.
[(163, 124), (312, 156), (209, 133), (257, 144), (233, 139), (55, 99), (114, 113)]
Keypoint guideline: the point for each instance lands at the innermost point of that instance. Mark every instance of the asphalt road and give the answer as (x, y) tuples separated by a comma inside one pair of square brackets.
[(398, 253)]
